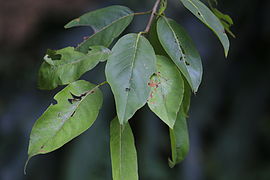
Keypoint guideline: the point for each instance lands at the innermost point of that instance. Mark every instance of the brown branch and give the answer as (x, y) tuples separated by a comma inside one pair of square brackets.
[(154, 11)]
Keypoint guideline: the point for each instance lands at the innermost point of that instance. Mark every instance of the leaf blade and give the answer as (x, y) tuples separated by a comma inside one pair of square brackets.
[(128, 70), (65, 120), (179, 133), (203, 13), (167, 90), (123, 152), (108, 23), (69, 65), (181, 49)]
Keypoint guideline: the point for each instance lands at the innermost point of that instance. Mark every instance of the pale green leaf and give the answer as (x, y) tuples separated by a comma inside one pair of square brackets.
[(162, 7), (108, 23), (167, 90), (128, 71), (181, 49), (77, 108), (66, 65), (123, 152), (179, 134), (203, 13)]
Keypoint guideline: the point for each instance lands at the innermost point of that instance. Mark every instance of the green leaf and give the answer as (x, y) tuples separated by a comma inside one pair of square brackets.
[(203, 13), (128, 71), (179, 139), (123, 152), (225, 20), (179, 134), (108, 23), (66, 65), (152, 36), (163, 6), (167, 90), (181, 49), (77, 108)]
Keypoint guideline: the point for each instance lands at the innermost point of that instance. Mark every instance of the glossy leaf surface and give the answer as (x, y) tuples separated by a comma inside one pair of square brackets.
[(167, 90), (128, 71), (203, 13), (123, 152), (179, 134), (76, 110), (181, 49), (108, 23), (66, 65)]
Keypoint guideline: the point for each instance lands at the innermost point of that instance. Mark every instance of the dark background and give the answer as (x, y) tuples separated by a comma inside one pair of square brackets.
[(229, 122)]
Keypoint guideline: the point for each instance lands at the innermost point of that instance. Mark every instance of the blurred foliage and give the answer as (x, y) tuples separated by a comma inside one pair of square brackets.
[(229, 119)]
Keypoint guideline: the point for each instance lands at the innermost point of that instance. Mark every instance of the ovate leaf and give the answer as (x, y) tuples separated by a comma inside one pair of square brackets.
[(128, 71), (76, 110), (123, 152), (66, 65), (180, 47), (179, 133), (167, 90), (203, 13), (108, 23)]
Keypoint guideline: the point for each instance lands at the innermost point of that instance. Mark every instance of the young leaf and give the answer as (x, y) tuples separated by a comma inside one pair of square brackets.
[(179, 134), (77, 108), (167, 90), (179, 46), (163, 6), (123, 152), (203, 13), (66, 65), (225, 20), (128, 71), (108, 23)]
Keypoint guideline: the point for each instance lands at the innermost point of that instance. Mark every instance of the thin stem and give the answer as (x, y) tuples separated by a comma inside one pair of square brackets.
[(154, 11), (143, 13)]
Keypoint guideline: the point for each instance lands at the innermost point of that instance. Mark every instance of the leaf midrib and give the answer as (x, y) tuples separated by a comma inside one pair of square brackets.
[(131, 72)]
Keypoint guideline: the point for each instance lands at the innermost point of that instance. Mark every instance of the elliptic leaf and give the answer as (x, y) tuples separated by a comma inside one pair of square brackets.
[(123, 152), (128, 71), (167, 90), (203, 13), (76, 110), (66, 65), (181, 49), (108, 23)]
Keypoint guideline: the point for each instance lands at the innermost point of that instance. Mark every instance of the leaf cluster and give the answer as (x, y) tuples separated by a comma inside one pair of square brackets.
[(160, 67)]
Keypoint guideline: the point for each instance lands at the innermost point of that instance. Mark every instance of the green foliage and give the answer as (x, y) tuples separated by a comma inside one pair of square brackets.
[(203, 13), (66, 65), (67, 119), (159, 66), (167, 91), (131, 57), (181, 50), (123, 151)]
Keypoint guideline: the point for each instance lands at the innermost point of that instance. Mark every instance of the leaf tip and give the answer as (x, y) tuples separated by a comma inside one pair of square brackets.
[(25, 165), (171, 163)]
